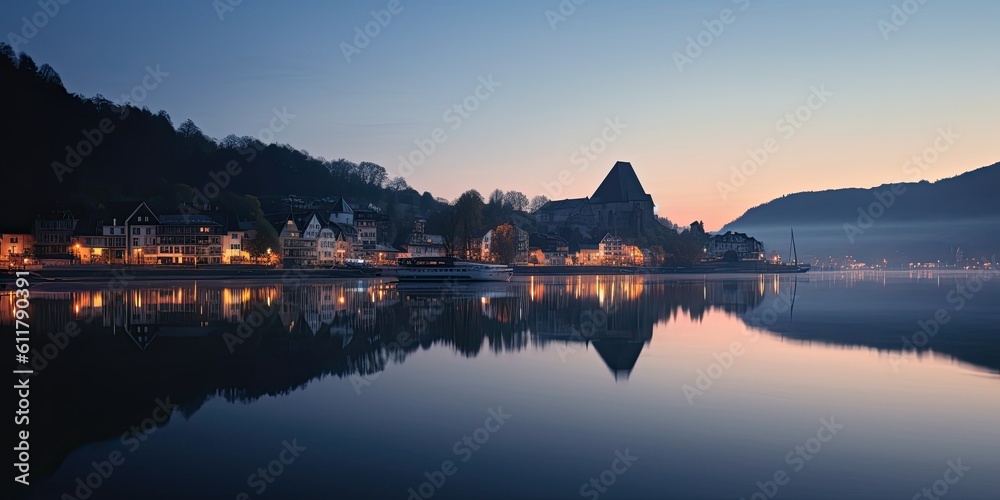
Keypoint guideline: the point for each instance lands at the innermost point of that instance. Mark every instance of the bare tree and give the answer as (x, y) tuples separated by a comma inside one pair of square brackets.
[(397, 184), (372, 173), (496, 197), (515, 200), (537, 202)]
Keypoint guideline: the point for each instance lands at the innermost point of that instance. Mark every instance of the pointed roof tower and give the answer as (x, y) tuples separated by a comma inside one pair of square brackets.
[(620, 186)]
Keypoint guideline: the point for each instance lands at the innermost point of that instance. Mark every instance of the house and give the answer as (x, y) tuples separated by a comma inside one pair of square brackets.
[(101, 237), (421, 244), (588, 254), (183, 239), (548, 249), (15, 247), (233, 250), (294, 250), (372, 225), (141, 242), (53, 234), (337, 243), (741, 246), (611, 250), (341, 212), (382, 254)]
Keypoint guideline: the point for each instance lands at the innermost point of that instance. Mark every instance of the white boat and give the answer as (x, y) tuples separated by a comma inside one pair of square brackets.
[(450, 269)]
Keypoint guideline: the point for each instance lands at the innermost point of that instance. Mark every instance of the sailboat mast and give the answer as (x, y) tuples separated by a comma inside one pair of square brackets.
[(790, 248), (795, 251)]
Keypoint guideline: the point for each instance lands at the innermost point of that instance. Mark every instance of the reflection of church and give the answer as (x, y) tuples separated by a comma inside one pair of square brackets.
[(616, 315)]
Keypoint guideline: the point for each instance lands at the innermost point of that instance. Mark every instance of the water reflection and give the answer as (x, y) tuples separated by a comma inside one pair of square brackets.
[(193, 342)]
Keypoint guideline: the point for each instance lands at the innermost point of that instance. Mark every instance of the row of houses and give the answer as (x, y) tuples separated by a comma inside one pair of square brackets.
[(531, 248), (133, 233), (336, 234), (314, 240), (128, 234)]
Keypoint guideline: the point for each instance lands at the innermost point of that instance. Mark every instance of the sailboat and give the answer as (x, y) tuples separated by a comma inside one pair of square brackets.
[(793, 256)]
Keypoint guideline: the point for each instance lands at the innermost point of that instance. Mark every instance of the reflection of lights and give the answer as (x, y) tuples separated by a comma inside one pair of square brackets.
[(341, 299)]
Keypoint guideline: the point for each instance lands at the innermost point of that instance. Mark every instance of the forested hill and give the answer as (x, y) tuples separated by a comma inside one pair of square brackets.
[(64, 150), (921, 220)]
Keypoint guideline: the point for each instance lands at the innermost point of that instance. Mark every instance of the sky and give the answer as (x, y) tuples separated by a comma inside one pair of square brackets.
[(720, 105)]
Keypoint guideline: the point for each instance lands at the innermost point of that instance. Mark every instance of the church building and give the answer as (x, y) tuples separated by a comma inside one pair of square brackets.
[(619, 207)]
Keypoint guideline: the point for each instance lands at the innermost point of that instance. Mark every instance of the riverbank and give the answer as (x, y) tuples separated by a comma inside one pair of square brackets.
[(100, 273)]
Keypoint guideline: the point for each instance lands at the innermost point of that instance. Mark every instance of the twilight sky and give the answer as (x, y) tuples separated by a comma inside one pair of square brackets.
[(879, 94)]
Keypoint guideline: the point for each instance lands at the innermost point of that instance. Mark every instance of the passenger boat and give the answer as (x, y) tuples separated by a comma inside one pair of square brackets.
[(450, 269)]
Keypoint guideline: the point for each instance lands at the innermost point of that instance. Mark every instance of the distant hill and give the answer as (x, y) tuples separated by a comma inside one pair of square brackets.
[(925, 221)]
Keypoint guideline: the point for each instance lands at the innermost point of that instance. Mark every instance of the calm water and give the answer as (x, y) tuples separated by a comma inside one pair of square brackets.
[(568, 387)]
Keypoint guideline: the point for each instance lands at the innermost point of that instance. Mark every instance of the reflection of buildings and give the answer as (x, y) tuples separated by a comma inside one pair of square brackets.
[(616, 314)]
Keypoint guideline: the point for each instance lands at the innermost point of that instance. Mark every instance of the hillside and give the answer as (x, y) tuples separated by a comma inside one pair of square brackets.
[(69, 151), (921, 221)]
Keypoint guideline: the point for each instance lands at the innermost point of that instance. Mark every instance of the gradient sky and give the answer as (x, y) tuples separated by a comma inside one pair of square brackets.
[(607, 60)]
